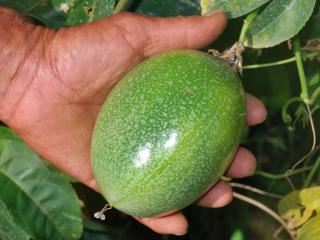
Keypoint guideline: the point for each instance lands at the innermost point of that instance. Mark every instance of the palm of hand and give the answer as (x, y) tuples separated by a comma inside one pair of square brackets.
[(55, 100)]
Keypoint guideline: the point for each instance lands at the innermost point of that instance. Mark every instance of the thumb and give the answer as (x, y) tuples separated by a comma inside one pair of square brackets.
[(113, 45), (151, 35)]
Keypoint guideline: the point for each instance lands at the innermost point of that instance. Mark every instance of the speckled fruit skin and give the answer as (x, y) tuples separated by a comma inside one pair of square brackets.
[(167, 132)]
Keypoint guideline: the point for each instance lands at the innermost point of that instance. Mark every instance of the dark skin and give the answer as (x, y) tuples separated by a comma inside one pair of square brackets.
[(54, 82)]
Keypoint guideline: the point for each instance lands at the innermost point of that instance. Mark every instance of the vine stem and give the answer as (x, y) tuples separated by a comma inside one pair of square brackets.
[(314, 140), (247, 22), (312, 173), (306, 98), (314, 96), (277, 63), (285, 61), (282, 175), (120, 6), (255, 190), (265, 209), (302, 75)]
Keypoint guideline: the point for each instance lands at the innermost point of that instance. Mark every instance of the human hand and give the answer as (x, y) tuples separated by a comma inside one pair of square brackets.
[(63, 77)]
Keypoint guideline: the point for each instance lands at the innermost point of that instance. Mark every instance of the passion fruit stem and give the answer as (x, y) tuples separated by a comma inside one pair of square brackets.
[(232, 56), (100, 215)]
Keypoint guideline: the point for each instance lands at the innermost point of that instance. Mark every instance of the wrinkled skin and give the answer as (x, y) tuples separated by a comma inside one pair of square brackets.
[(54, 82)]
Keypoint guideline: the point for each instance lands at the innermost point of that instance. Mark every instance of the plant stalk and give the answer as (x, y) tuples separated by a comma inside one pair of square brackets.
[(314, 140), (265, 209), (283, 175), (247, 22), (255, 190), (312, 173), (302, 75), (285, 61), (277, 63), (314, 96)]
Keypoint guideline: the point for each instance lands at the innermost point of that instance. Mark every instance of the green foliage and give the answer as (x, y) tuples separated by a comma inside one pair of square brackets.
[(83, 11), (167, 8), (313, 28), (281, 20), (9, 230), (232, 8), (35, 200), (42, 204), (44, 11), (314, 81), (60, 13), (311, 230), (298, 207)]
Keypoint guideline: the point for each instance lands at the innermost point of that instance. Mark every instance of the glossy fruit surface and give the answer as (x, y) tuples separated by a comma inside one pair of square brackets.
[(167, 132)]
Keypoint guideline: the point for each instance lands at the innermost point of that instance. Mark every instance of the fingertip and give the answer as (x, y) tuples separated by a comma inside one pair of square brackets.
[(243, 165), (218, 196), (175, 224), (216, 22), (256, 111), (191, 32), (217, 16)]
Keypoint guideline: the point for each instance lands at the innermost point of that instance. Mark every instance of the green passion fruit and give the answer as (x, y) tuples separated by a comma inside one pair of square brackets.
[(167, 132)]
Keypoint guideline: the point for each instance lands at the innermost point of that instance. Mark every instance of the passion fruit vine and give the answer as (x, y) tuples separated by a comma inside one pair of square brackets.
[(167, 132)]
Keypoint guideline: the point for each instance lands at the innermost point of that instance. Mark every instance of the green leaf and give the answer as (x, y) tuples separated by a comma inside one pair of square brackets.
[(298, 207), (166, 8), (314, 81), (41, 203), (8, 229), (313, 28), (60, 13), (289, 207), (6, 133), (42, 10), (301, 114), (83, 11), (280, 21), (232, 8), (310, 230)]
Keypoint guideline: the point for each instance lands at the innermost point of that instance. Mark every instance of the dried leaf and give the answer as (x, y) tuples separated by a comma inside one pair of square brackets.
[(298, 207)]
